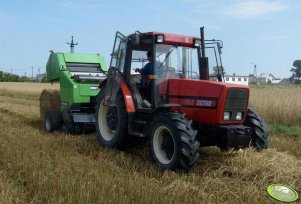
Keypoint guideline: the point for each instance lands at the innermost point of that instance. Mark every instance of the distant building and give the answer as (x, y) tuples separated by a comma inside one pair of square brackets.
[(236, 79), (285, 81), (267, 78), (252, 79), (40, 77)]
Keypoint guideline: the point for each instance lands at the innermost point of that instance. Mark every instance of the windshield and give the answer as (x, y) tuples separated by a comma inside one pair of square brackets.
[(179, 61)]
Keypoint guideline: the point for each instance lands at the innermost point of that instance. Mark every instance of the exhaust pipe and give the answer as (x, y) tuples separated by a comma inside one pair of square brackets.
[(204, 66)]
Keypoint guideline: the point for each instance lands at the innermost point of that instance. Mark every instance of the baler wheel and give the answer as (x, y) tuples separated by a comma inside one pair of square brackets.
[(260, 135), (173, 142), (53, 120)]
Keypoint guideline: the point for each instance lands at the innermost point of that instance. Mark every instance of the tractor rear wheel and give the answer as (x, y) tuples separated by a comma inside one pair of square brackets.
[(53, 120), (111, 122), (173, 142), (260, 135)]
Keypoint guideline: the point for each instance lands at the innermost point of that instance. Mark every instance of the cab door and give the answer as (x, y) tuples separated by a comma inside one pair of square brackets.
[(115, 73)]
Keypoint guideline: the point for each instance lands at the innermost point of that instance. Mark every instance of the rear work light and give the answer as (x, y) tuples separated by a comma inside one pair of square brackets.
[(197, 43), (160, 38)]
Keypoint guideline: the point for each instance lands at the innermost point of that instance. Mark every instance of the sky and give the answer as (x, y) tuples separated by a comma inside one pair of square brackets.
[(265, 33)]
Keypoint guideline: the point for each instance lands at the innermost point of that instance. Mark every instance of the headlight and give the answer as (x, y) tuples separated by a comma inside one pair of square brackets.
[(227, 115), (238, 116), (160, 38)]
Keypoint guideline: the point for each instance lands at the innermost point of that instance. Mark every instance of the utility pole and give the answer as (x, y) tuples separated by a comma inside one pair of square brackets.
[(72, 45), (31, 72), (254, 70), (38, 74)]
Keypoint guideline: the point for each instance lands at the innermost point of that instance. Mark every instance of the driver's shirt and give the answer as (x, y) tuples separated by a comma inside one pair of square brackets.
[(146, 71)]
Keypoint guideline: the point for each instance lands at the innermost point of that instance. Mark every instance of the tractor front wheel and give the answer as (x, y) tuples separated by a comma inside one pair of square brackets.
[(260, 135), (111, 122), (173, 142)]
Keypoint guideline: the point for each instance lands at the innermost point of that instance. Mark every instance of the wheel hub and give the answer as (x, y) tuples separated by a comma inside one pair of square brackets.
[(112, 118), (167, 145)]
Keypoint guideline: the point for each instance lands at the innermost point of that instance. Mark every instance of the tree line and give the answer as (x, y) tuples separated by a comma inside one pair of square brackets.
[(8, 77)]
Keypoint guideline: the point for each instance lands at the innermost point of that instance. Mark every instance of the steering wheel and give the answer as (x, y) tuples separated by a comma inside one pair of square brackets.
[(170, 69)]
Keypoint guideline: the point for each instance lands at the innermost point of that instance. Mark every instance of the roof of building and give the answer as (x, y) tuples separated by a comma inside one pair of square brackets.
[(266, 75), (235, 76)]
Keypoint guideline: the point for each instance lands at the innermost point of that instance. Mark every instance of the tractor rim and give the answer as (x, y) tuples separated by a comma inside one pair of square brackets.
[(104, 114), (164, 145)]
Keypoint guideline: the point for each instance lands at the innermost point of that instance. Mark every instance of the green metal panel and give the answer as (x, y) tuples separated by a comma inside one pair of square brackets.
[(86, 58), (53, 67), (72, 91), (56, 63), (88, 89)]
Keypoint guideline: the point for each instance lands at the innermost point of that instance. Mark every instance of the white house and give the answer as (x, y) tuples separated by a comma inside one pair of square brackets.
[(235, 79), (266, 78)]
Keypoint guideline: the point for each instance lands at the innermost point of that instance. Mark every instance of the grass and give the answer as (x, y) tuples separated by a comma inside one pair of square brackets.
[(36, 167), (286, 130)]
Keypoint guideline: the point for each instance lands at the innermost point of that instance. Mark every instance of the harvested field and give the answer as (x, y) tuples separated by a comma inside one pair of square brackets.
[(37, 167)]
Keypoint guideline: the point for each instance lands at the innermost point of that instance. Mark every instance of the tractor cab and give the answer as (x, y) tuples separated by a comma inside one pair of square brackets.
[(173, 57)]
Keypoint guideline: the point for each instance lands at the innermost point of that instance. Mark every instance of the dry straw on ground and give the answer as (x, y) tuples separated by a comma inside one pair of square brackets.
[(37, 167), (278, 104), (49, 100)]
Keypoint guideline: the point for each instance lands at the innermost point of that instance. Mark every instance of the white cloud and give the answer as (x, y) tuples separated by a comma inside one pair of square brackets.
[(71, 4), (251, 9)]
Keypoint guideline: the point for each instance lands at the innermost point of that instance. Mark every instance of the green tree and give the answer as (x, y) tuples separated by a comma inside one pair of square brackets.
[(296, 70), (219, 70), (1, 75)]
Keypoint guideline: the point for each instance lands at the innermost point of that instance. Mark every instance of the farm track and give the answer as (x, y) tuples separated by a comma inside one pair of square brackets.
[(41, 168)]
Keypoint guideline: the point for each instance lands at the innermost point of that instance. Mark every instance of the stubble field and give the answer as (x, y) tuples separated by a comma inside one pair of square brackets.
[(37, 167)]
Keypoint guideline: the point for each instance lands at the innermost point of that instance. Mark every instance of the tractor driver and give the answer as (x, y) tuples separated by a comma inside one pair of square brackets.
[(146, 70)]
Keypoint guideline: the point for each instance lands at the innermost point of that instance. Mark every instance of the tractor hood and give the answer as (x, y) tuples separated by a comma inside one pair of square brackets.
[(206, 101)]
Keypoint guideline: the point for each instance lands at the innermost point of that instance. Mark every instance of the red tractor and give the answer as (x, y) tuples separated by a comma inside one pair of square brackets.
[(180, 108)]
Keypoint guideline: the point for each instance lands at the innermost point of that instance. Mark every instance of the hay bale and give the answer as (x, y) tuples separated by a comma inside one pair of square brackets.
[(49, 99)]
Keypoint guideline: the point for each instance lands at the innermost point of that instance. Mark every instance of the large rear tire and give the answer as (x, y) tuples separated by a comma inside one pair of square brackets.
[(53, 120), (260, 135), (111, 122), (173, 142)]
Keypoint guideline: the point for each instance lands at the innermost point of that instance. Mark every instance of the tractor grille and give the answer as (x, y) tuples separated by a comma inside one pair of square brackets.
[(237, 101)]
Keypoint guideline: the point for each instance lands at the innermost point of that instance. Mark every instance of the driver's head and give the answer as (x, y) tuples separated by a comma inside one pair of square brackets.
[(149, 55)]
